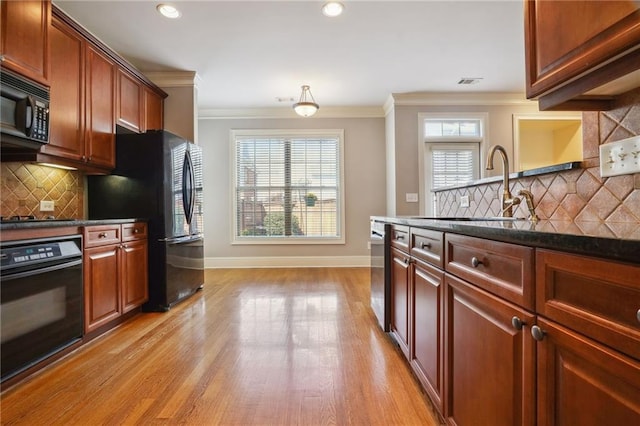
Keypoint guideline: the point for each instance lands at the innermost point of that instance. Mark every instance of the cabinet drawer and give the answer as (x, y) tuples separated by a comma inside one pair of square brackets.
[(400, 237), (506, 270), (596, 297), (101, 235), (134, 231), (426, 245)]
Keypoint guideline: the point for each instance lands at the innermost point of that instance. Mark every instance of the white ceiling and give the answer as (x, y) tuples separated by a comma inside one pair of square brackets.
[(247, 54)]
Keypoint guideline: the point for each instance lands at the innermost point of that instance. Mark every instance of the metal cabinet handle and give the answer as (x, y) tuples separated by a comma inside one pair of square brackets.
[(517, 323), (475, 262), (399, 237), (425, 245), (136, 231), (638, 315), (102, 235), (537, 333)]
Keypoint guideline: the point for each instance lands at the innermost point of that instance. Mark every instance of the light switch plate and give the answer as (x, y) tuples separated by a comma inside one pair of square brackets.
[(46, 206), (411, 197), (620, 157)]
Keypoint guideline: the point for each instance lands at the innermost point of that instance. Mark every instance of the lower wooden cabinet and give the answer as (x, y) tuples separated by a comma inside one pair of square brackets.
[(115, 272), (490, 363), (427, 356), (400, 282), (581, 382)]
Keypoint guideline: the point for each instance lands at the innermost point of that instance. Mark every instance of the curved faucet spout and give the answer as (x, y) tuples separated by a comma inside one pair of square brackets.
[(508, 201)]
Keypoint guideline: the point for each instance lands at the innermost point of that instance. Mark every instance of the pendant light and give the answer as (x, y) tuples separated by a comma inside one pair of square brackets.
[(306, 106)]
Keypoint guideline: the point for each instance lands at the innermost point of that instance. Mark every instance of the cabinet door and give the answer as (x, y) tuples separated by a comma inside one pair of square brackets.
[(25, 38), (428, 331), (101, 286), (154, 111), (129, 102), (400, 282), (583, 383), (490, 364), (100, 109), (134, 274), (564, 39), (67, 93)]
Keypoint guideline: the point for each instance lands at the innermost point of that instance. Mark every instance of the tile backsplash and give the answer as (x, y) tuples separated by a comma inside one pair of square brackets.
[(575, 195), (24, 185)]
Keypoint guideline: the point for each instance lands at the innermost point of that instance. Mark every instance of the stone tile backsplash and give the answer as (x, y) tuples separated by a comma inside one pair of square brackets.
[(24, 185), (575, 195)]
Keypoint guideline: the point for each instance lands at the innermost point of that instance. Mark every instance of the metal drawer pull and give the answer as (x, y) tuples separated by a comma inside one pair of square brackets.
[(475, 262), (102, 235), (399, 237), (136, 231), (425, 245), (517, 323), (537, 333)]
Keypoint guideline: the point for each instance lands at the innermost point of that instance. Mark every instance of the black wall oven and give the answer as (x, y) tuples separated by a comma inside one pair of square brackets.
[(41, 301)]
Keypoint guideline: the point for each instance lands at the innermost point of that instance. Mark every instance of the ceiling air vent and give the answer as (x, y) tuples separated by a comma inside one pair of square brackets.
[(469, 80)]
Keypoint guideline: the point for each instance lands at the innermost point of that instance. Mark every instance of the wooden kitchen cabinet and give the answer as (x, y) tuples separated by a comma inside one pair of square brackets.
[(153, 110), (115, 272), (129, 111), (24, 28), (66, 130), (82, 126), (572, 47), (400, 290), (490, 364), (581, 382)]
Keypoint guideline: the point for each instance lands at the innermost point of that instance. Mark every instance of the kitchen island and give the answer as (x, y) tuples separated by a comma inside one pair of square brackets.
[(515, 322)]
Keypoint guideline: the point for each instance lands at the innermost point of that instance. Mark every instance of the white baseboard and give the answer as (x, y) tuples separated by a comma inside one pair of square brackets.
[(287, 262)]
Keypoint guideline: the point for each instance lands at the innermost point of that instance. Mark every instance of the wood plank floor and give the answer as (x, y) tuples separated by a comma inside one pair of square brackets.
[(255, 347)]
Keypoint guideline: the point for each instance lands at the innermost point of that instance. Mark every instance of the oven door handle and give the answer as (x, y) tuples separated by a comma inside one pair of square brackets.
[(39, 271)]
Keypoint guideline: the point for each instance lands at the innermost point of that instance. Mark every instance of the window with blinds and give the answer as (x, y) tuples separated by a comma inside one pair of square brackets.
[(288, 187), (453, 165)]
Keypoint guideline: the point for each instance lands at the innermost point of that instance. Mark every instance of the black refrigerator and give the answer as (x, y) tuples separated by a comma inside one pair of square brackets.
[(158, 177)]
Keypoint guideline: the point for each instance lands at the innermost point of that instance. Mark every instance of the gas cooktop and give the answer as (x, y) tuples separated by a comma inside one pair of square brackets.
[(31, 218)]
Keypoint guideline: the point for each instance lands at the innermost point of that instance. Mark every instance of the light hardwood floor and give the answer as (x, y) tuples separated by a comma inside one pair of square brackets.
[(255, 347)]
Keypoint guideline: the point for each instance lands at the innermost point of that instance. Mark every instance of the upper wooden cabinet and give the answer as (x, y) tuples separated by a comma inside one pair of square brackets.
[(129, 106), (25, 38), (138, 107), (574, 48), (153, 110)]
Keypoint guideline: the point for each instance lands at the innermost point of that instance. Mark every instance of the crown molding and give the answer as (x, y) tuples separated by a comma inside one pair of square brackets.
[(174, 78), (271, 113), (437, 98)]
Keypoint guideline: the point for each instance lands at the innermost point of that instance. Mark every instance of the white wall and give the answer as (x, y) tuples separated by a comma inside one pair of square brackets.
[(365, 195)]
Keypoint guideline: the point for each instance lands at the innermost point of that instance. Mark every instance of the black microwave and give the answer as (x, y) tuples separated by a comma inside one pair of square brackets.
[(24, 111)]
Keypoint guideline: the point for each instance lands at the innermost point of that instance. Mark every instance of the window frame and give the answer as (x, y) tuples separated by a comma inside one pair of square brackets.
[(288, 240), (428, 207)]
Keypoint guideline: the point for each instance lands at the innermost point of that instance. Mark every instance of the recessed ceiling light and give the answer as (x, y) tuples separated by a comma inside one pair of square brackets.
[(332, 9), (168, 11)]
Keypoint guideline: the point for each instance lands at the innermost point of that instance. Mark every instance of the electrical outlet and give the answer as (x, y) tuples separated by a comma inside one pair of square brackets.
[(464, 201), (620, 157), (46, 206)]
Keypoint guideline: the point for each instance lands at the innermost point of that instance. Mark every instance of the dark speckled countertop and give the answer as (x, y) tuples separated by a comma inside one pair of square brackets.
[(35, 224), (618, 241)]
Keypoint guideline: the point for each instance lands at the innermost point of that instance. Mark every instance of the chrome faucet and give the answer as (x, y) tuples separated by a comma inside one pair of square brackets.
[(508, 201)]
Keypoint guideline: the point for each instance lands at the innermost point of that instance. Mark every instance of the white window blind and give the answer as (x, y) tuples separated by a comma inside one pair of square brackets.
[(452, 166), (287, 187)]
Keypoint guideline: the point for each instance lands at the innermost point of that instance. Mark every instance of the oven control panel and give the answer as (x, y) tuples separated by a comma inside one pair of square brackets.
[(38, 253)]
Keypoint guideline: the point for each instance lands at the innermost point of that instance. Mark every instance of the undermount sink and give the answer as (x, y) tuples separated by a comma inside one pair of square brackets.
[(470, 219)]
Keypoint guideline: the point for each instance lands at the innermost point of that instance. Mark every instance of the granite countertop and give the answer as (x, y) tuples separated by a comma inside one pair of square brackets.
[(618, 241), (58, 223)]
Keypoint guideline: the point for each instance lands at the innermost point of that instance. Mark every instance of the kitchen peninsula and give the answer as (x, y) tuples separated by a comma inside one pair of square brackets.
[(534, 314)]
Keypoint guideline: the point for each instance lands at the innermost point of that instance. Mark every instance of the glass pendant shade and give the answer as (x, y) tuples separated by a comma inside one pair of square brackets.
[(306, 106)]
